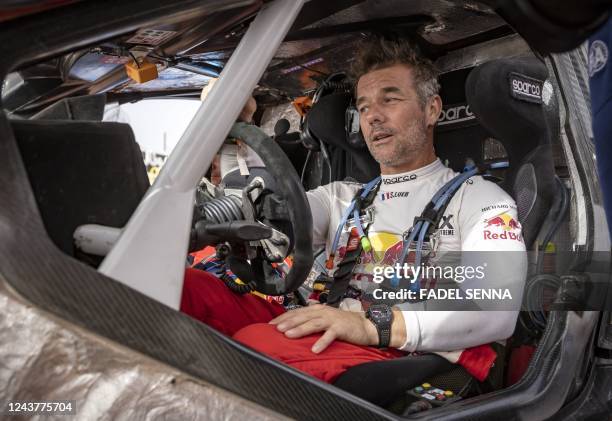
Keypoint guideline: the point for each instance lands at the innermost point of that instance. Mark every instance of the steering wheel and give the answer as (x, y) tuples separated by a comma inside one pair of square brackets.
[(291, 190)]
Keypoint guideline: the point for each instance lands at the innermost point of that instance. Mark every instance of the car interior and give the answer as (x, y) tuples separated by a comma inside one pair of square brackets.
[(82, 170)]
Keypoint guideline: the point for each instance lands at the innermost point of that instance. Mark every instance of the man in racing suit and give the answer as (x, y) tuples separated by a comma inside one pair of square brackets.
[(399, 106)]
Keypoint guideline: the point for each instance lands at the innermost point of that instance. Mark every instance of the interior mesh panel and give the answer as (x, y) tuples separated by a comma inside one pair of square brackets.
[(525, 187)]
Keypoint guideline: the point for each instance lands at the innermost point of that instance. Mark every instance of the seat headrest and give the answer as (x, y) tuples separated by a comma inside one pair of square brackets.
[(509, 97), (458, 136), (326, 119), (326, 122)]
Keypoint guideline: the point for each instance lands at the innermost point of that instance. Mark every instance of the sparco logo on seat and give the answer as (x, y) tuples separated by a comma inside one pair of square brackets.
[(455, 114), (526, 88)]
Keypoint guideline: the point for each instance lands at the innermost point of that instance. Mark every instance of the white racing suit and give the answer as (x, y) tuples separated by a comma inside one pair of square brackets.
[(480, 217)]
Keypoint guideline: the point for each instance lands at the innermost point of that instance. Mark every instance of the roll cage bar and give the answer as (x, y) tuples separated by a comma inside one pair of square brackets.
[(137, 258)]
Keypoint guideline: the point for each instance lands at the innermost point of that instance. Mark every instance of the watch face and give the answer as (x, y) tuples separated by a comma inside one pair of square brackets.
[(379, 313)]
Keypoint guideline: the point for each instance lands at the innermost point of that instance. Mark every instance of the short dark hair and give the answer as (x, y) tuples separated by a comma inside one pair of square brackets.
[(377, 52)]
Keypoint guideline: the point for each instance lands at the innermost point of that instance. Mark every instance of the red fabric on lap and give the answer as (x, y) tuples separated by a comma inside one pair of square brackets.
[(326, 366), (208, 300)]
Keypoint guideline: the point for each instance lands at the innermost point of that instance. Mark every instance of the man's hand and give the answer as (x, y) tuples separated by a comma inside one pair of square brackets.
[(347, 326)]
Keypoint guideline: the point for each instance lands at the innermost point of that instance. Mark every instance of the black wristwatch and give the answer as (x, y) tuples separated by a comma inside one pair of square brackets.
[(382, 317)]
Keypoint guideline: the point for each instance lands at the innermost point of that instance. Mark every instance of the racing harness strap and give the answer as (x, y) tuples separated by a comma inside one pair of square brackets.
[(358, 241), (422, 229)]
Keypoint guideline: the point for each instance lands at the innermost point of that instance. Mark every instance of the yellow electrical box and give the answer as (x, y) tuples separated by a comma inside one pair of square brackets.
[(141, 72)]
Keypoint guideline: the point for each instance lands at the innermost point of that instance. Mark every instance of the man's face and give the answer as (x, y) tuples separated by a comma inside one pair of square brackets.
[(393, 122)]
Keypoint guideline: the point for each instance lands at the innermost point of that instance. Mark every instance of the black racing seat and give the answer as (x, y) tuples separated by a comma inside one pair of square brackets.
[(326, 123), (525, 125), (81, 172), (459, 136), (512, 101)]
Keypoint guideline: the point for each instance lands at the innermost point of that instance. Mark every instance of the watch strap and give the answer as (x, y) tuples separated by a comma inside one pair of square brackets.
[(384, 336)]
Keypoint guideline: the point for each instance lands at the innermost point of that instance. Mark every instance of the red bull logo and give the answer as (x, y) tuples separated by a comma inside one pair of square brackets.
[(508, 226), (392, 254), (504, 221), (386, 247)]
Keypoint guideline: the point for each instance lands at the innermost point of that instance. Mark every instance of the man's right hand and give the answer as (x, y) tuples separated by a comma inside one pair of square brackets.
[(346, 326)]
